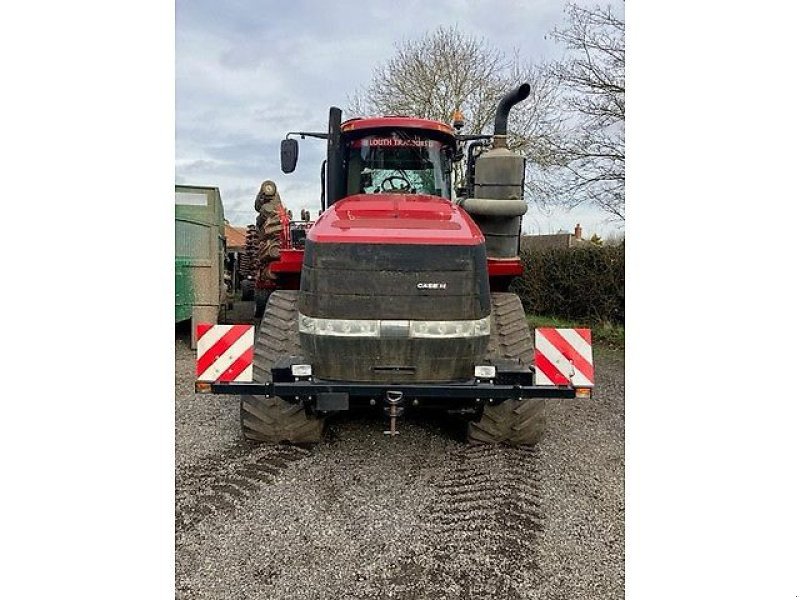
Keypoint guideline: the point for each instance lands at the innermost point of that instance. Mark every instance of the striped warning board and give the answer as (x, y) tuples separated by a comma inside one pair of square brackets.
[(225, 352), (563, 357)]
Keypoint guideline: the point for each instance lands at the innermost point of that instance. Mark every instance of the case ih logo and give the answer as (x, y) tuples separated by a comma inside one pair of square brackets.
[(431, 286)]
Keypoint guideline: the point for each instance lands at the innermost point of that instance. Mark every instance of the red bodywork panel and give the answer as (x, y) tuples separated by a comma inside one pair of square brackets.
[(507, 267), (397, 123), (291, 261), (394, 219)]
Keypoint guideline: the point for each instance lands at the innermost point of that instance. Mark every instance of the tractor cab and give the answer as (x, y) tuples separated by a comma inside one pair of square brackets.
[(381, 155), (390, 156)]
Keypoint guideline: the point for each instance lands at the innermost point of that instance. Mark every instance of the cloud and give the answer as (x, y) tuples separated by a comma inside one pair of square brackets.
[(249, 71)]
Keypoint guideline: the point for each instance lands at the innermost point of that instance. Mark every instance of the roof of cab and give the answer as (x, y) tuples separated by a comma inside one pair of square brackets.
[(395, 121)]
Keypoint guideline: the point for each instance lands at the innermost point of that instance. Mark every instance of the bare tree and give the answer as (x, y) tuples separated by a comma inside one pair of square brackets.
[(447, 69), (432, 75), (589, 155), (571, 128)]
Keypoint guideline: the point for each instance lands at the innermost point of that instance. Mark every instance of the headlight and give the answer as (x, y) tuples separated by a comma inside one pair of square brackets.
[(485, 372), (483, 326), (301, 370), (338, 327), (394, 328), (450, 329), (307, 324)]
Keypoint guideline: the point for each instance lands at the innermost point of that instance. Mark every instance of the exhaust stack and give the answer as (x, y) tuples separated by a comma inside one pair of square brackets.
[(497, 206), (507, 102)]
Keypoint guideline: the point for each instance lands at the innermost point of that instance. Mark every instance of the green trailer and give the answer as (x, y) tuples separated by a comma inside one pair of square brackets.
[(200, 289)]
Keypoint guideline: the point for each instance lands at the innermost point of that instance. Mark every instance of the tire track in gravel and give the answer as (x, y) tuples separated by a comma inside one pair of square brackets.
[(220, 483), (483, 527)]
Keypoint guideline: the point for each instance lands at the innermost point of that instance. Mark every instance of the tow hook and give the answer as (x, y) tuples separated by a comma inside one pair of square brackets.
[(394, 408)]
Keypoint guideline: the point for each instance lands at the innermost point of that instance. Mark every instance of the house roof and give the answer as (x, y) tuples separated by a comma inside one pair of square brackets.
[(235, 237), (552, 240)]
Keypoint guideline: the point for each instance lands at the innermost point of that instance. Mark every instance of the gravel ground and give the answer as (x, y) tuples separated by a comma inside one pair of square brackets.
[(420, 515)]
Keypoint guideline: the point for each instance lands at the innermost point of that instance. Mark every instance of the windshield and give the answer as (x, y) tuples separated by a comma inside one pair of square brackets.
[(397, 162)]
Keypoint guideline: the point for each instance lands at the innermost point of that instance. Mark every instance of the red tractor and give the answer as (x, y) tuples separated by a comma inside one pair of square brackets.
[(399, 298)]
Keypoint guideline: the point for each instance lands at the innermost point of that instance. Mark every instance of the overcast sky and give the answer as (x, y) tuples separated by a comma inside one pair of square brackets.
[(248, 71)]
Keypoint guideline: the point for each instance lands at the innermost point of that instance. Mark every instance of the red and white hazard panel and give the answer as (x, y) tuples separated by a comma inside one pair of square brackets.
[(563, 357), (225, 352)]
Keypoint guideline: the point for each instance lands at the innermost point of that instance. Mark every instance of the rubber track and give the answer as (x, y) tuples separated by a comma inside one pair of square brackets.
[(513, 421), (220, 484), (510, 334), (272, 419)]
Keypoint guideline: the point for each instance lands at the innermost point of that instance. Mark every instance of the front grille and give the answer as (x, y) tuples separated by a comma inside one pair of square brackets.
[(365, 317)]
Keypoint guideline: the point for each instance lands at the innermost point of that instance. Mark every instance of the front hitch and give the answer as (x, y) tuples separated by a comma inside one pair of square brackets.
[(394, 408)]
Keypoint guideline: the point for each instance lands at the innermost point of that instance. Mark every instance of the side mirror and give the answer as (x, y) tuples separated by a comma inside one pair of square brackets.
[(288, 155)]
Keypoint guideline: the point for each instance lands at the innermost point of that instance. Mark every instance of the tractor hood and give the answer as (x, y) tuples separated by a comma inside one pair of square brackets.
[(396, 219)]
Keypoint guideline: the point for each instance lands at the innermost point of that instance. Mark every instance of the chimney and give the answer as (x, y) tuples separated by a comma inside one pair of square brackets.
[(578, 231)]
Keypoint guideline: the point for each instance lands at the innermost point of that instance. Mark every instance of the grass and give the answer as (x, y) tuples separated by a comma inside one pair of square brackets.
[(606, 335)]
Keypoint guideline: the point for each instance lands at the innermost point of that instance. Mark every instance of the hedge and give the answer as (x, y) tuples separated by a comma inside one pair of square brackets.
[(583, 284)]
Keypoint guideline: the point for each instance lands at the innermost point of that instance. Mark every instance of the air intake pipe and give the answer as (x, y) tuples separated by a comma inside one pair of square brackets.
[(335, 189)]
